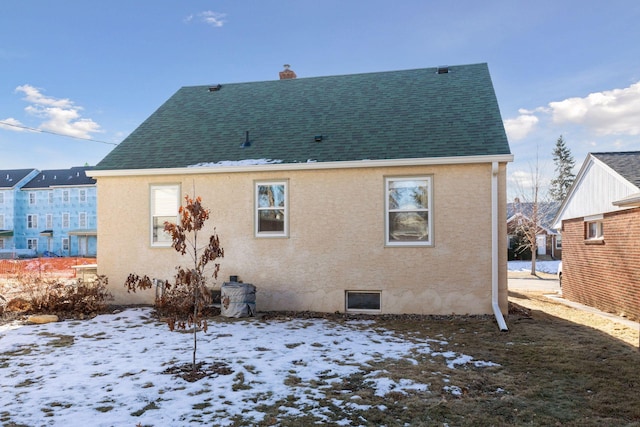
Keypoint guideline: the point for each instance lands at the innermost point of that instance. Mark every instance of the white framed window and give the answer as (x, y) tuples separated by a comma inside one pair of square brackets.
[(82, 195), (49, 225), (165, 202), (363, 300), (1, 197), (594, 230), (65, 196), (1, 243), (408, 211), (32, 198), (65, 244), (65, 219), (558, 241), (32, 221), (50, 197), (82, 220), (271, 209), (1, 221), (32, 244)]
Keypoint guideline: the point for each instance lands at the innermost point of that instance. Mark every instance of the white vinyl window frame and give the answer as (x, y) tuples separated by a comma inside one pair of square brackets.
[(1, 221), (65, 196), (408, 219), (82, 195), (164, 203), (65, 244), (32, 221), (82, 220), (594, 230), (1, 197), (49, 221), (271, 208), (66, 220), (32, 244), (50, 197), (32, 198)]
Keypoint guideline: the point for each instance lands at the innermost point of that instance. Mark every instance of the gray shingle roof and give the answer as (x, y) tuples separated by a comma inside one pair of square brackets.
[(73, 177), (386, 115), (626, 163), (546, 211), (10, 178)]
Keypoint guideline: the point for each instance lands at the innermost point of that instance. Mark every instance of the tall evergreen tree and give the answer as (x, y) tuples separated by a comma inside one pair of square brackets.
[(564, 171)]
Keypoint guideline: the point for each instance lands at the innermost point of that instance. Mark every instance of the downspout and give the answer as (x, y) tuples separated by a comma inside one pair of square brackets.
[(494, 248)]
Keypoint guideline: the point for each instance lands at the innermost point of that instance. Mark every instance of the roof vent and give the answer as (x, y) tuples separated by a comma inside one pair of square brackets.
[(318, 138), (246, 142), (443, 69), (287, 73), (215, 88)]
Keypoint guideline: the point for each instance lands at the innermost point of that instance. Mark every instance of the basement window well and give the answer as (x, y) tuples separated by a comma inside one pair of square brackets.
[(363, 301)]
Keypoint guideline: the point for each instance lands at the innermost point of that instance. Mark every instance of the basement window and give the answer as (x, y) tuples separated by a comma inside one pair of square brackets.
[(363, 301)]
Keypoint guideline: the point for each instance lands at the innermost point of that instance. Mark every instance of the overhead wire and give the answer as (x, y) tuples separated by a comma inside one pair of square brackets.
[(54, 133)]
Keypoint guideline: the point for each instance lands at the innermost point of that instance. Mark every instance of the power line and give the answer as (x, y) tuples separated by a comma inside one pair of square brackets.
[(54, 133)]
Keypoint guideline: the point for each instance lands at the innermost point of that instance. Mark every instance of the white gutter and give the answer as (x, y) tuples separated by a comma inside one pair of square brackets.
[(494, 248), (310, 165)]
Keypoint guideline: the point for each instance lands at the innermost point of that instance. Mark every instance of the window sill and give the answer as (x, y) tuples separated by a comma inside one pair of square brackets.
[(594, 242)]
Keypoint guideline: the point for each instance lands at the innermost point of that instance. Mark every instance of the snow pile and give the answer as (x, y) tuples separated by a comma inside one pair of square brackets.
[(245, 162), (109, 370), (550, 267)]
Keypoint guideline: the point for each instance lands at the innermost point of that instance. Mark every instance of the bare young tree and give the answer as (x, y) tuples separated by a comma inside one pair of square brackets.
[(531, 209), (185, 300)]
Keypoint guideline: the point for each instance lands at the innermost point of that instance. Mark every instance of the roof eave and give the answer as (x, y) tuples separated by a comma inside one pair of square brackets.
[(500, 158), (631, 201)]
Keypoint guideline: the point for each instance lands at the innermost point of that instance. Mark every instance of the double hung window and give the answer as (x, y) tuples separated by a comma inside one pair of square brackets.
[(271, 210), (165, 202), (408, 211)]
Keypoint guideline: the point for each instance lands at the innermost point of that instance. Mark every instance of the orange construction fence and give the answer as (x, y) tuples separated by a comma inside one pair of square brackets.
[(51, 267)]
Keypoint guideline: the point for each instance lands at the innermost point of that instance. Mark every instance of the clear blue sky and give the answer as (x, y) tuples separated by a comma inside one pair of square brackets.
[(97, 69)]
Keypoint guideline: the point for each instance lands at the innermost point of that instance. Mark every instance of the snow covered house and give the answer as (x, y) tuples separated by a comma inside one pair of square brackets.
[(600, 226), (343, 193)]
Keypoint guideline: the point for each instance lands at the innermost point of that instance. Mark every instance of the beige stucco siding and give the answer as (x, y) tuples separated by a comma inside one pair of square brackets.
[(335, 243)]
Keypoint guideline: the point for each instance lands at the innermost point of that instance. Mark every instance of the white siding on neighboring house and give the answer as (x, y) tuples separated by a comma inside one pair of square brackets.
[(598, 186)]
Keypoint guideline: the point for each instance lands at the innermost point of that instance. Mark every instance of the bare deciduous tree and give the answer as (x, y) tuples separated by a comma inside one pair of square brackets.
[(185, 300)]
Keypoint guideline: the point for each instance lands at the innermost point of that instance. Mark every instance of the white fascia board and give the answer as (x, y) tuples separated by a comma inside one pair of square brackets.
[(431, 161), (631, 201)]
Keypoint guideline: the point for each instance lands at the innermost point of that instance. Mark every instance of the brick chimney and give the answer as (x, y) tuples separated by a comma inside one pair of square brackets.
[(287, 73)]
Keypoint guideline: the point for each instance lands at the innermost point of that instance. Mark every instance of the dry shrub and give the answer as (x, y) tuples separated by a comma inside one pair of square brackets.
[(70, 299), (177, 301)]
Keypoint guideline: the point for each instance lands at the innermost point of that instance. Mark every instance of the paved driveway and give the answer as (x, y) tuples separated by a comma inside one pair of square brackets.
[(534, 284)]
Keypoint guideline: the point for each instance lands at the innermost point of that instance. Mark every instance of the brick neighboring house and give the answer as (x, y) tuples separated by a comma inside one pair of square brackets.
[(341, 193), (600, 223)]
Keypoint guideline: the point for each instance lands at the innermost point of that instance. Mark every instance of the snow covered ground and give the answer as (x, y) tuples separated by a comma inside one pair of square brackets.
[(541, 266), (109, 370)]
